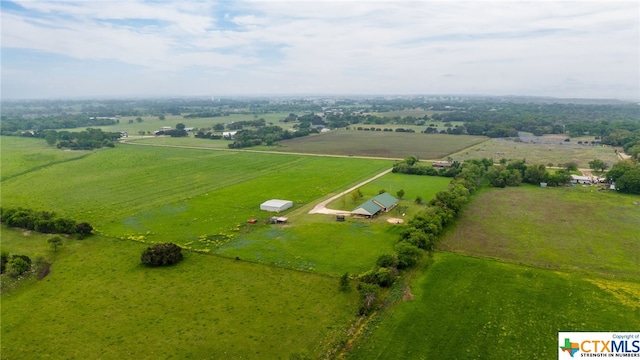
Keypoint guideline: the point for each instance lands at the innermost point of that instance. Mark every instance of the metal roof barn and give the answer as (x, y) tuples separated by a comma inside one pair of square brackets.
[(276, 205)]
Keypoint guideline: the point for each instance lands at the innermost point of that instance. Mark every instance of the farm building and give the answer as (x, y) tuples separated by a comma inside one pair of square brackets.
[(383, 202), (576, 179), (229, 134), (441, 164), (276, 205)]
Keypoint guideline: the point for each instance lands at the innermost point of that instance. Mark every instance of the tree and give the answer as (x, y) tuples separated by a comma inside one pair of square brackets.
[(162, 255), (408, 255), (535, 174), (418, 200), (161, 117), (387, 260), (55, 242), (139, 119), (571, 166), (218, 127), (84, 229), (51, 138), (400, 193), (597, 164), (180, 126), (629, 182)]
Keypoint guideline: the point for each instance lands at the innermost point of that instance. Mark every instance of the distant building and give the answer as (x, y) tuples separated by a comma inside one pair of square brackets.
[(441, 164), (229, 134), (577, 179), (275, 205)]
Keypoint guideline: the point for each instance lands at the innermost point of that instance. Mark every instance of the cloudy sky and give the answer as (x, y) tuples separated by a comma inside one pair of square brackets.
[(95, 48)]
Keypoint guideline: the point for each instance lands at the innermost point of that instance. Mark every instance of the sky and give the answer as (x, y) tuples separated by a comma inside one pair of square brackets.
[(85, 49)]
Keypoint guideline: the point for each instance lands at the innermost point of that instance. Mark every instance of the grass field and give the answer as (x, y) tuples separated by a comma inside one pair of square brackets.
[(465, 307), (152, 123), (570, 229), (521, 263), (555, 152), (380, 144), (20, 155), (99, 302), (414, 186)]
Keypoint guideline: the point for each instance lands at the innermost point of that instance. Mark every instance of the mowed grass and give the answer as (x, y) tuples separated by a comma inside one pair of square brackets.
[(556, 152), (380, 144), (465, 307), (100, 302), (570, 228), (19, 155)]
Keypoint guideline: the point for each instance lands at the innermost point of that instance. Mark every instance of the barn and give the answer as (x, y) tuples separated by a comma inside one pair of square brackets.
[(275, 205), (383, 202)]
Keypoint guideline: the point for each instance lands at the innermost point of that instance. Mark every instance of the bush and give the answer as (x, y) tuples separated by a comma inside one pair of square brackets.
[(162, 255), (387, 261), (18, 265)]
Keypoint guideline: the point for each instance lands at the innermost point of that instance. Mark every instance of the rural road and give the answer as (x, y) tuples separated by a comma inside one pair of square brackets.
[(321, 208)]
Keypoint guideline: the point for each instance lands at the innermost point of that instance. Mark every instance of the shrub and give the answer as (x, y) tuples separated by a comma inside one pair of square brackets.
[(387, 261), (368, 297), (4, 259), (162, 255), (18, 265)]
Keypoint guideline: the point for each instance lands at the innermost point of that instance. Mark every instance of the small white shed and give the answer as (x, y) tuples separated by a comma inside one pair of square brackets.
[(275, 205)]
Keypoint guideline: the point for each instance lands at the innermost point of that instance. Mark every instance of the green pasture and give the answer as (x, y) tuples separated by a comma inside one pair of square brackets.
[(203, 199), (414, 186), (570, 228), (130, 125), (539, 153), (19, 155), (100, 302), (321, 244), (380, 144), (465, 307)]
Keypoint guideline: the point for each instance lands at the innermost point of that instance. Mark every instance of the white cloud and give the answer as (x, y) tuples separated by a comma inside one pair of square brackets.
[(345, 47)]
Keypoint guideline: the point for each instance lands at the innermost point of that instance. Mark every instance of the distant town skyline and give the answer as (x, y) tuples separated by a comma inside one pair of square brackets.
[(84, 49)]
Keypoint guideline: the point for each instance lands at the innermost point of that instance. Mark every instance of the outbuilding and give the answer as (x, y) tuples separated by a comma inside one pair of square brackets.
[(381, 203), (275, 205)]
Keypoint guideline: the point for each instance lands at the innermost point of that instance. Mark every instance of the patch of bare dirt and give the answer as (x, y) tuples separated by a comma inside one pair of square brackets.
[(395, 221), (407, 295)]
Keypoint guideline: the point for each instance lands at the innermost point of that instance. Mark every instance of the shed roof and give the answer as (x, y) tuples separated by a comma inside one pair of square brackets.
[(368, 208), (385, 199), (275, 203)]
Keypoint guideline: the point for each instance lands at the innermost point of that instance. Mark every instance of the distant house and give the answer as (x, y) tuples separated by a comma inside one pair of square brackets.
[(381, 203), (441, 164), (577, 179), (276, 205), (229, 134)]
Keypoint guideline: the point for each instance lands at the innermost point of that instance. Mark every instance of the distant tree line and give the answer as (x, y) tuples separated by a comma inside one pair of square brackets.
[(43, 221), (268, 135), (206, 114), (14, 125), (81, 140)]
